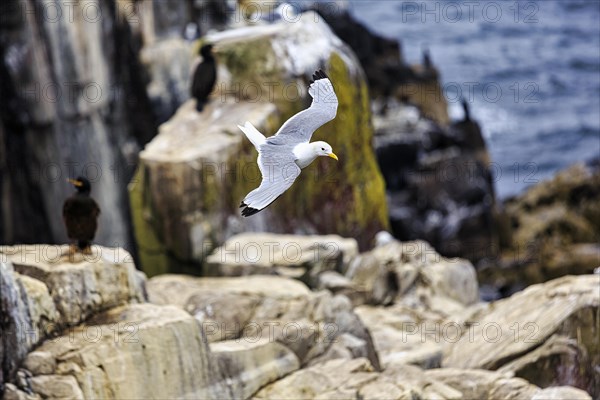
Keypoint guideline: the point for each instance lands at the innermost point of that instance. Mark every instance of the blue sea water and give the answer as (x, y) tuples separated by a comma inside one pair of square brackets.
[(529, 69)]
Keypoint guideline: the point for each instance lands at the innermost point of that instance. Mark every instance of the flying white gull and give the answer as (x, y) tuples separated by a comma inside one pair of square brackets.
[(282, 156)]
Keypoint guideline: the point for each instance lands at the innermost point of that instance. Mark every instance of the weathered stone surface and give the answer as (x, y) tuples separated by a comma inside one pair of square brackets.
[(56, 387), (346, 376), (430, 297), (356, 378), (40, 363), (134, 351), (104, 279), (28, 313), (43, 293), (192, 176), (507, 330), (561, 393), (302, 257), (12, 392), (481, 384), (266, 306), (169, 64), (250, 364), (553, 231), (560, 360), (402, 272)]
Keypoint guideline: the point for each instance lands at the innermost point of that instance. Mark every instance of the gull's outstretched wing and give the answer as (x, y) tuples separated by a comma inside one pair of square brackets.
[(279, 171), (300, 127)]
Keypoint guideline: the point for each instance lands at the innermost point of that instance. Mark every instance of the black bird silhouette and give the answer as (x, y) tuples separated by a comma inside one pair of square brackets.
[(205, 77), (80, 214), (466, 110), (427, 59)]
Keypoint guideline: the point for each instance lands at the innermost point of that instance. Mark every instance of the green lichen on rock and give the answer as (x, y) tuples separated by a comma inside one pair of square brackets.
[(240, 58), (347, 197), (151, 251)]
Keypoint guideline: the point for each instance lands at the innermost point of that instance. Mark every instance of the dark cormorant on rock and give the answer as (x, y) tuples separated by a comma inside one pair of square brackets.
[(205, 77), (80, 214), (467, 111)]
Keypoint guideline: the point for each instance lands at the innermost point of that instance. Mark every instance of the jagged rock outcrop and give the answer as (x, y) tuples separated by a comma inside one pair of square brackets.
[(426, 295), (553, 229), (405, 272), (194, 173), (547, 334), (438, 182), (257, 307)]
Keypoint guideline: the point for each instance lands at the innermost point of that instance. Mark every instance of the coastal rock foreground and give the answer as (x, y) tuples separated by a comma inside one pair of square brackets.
[(267, 336)]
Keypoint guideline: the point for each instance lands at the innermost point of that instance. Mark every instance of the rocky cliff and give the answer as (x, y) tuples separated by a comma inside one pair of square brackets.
[(76, 105)]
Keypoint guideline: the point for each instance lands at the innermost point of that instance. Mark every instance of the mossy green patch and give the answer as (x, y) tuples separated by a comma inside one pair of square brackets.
[(151, 251), (348, 197)]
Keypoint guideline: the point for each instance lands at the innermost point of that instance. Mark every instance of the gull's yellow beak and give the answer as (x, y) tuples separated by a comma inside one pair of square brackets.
[(75, 182), (332, 155)]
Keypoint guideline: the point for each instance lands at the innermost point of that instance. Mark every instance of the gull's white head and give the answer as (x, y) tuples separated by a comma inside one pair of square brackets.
[(323, 149)]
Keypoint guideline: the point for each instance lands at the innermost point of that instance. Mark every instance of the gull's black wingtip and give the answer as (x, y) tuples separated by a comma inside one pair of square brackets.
[(319, 74), (248, 211)]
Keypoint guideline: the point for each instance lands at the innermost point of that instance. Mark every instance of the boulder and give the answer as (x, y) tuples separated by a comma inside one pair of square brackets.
[(553, 231), (132, 351), (192, 176), (336, 378), (558, 361), (302, 257), (547, 333), (250, 364), (405, 272), (254, 307)]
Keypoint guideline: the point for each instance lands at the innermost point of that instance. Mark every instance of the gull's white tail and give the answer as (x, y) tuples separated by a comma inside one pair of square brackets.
[(253, 134)]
